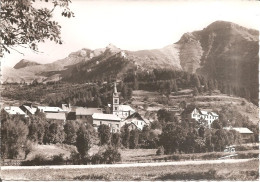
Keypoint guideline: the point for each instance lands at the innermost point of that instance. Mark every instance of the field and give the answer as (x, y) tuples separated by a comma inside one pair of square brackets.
[(222, 171)]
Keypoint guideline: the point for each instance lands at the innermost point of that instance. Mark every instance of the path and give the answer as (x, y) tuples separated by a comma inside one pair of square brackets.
[(128, 165)]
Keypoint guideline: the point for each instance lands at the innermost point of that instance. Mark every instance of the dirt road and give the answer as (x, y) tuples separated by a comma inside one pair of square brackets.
[(128, 165)]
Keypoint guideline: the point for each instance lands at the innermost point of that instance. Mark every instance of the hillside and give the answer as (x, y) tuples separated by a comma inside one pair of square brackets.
[(25, 63), (222, 51), (148, 103)]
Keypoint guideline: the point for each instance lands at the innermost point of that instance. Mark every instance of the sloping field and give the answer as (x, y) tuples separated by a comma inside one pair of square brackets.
[(206, 101)]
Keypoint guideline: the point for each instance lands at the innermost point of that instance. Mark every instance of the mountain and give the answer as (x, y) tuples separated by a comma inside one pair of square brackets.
[(46, 72), (223, 51), (25, 63)]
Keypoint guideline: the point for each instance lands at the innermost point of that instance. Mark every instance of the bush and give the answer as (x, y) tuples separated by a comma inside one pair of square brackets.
[(111, 156), (40, 160), (97, 159), (160, 151)]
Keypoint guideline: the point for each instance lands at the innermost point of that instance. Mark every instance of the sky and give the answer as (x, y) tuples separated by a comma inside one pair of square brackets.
[(134, 25)]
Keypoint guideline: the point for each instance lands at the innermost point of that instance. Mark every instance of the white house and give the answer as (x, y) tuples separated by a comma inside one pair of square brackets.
[(209, 116), (137, 120)]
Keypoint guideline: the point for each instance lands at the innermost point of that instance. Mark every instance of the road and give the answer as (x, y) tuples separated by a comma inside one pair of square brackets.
[(128, 165)]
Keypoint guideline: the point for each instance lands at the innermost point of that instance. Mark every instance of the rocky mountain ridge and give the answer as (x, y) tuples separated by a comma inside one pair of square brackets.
[(223, 51)]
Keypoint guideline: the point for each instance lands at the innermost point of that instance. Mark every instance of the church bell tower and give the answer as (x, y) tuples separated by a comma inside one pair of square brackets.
[(115, 100)]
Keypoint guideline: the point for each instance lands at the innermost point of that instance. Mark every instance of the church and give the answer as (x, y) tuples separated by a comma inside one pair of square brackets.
[(122, 111), (120, 116)]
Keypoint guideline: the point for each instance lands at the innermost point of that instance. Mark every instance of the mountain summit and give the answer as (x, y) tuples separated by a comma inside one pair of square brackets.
[(24, 63)]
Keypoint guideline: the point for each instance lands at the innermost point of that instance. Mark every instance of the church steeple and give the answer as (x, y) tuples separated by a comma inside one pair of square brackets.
[(115, 89), (115, 100)]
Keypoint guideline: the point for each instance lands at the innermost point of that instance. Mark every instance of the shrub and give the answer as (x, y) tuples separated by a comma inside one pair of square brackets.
[(97, 159), (160, 151), (243, 103), (40, 160), (57, 159), (111, 156)]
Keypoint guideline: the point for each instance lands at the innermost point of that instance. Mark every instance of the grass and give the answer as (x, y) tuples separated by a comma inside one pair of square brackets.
[(50, 150), (224, 171), (149, 155)]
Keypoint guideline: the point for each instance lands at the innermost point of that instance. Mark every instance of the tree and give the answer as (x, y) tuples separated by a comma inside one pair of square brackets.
[(125, 135), (172, 138), (116, 141), (220, 139), (27, 148), (70, 130), (37, 127), (134, 138), (13, 137), (104, 134), (54, 133), (83, 141), (25, 25)]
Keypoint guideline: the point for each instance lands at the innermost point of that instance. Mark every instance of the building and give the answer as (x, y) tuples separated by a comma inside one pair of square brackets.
[(85, 114), (53, 113), (60, 116), (113, 121), (199, 115), (48, 109), (137, 120), (28, 109), (122, 111), (245, 133), (14, 110)]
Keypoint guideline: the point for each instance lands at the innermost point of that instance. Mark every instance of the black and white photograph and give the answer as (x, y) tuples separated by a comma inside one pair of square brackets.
[(129, 90)]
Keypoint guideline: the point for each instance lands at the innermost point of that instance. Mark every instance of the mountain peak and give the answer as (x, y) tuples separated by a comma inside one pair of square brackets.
[(112, 48), (24, 63)]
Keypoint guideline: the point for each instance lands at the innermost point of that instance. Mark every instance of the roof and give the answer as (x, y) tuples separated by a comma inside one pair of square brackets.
[(135, 115), (204, 112), (14, 110), (109, 117), (87, 111), (214, 114), (32, 110), (50, 109), (57, 116), (125, 108), (241, 130)]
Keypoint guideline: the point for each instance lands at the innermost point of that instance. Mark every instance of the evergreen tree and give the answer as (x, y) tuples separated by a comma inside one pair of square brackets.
[(116, 141), (83, 141), (134, 138), (125, 135), (70, 130), (13, 137), (104, 134)]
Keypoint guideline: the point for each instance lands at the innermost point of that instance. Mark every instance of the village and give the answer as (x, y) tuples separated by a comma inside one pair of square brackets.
[(120, 116)]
